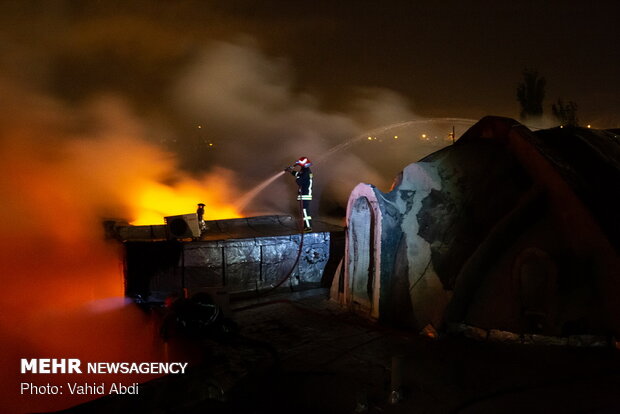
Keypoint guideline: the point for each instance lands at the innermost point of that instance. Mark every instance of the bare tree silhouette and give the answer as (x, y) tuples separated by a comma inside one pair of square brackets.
[(531, 93), (566, 113)]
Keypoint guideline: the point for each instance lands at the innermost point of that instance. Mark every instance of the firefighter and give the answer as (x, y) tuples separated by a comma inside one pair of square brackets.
[(303, 177)]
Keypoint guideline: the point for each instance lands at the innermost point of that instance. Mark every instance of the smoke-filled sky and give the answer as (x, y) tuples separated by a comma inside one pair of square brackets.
[(217, 83), (448, 58), (250, 72)]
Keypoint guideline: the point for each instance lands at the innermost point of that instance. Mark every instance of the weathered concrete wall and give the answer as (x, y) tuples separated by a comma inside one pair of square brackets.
[(155, 270), (424, 238), (488, 232), (362, 284)]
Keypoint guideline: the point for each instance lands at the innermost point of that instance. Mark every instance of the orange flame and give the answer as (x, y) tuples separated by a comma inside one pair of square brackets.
[(154, 201), (56, 188)]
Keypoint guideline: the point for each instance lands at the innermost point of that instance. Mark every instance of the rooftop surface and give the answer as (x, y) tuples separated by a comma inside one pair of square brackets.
[(301, 353), (227, 229), (261, 226)]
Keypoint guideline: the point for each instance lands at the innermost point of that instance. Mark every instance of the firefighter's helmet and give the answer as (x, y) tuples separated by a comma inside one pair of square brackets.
[(304, 162)]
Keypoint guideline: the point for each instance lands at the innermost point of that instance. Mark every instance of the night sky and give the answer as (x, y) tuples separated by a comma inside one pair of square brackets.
[(451, 57), (448, 58)]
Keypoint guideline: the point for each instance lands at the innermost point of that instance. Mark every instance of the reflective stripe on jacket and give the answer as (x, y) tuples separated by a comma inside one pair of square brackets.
[(304, 181)]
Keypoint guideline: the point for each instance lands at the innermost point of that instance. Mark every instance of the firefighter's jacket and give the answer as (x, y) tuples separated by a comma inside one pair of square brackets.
[(304, 181)]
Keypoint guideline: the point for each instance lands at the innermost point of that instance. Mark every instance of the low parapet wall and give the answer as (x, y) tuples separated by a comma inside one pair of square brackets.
[(156, 269)]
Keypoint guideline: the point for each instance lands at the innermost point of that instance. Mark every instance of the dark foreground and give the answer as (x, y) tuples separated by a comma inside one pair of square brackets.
[(300, 353)]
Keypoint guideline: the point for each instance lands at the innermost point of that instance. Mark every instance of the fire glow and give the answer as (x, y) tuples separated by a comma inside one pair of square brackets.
[(154, 201), (62, 282)]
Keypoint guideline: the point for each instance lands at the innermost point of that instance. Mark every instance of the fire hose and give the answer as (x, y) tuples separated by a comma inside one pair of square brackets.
[(290, 272)]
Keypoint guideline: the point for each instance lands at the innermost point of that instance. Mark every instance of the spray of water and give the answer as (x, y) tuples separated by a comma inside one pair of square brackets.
[(249, 196), (383, 129)]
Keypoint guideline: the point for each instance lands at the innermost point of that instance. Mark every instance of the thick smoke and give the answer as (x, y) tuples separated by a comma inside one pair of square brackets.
[(62, 171), (247, 103)]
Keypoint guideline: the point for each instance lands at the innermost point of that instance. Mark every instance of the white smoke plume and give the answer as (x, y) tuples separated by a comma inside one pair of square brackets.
[(248, 104)]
